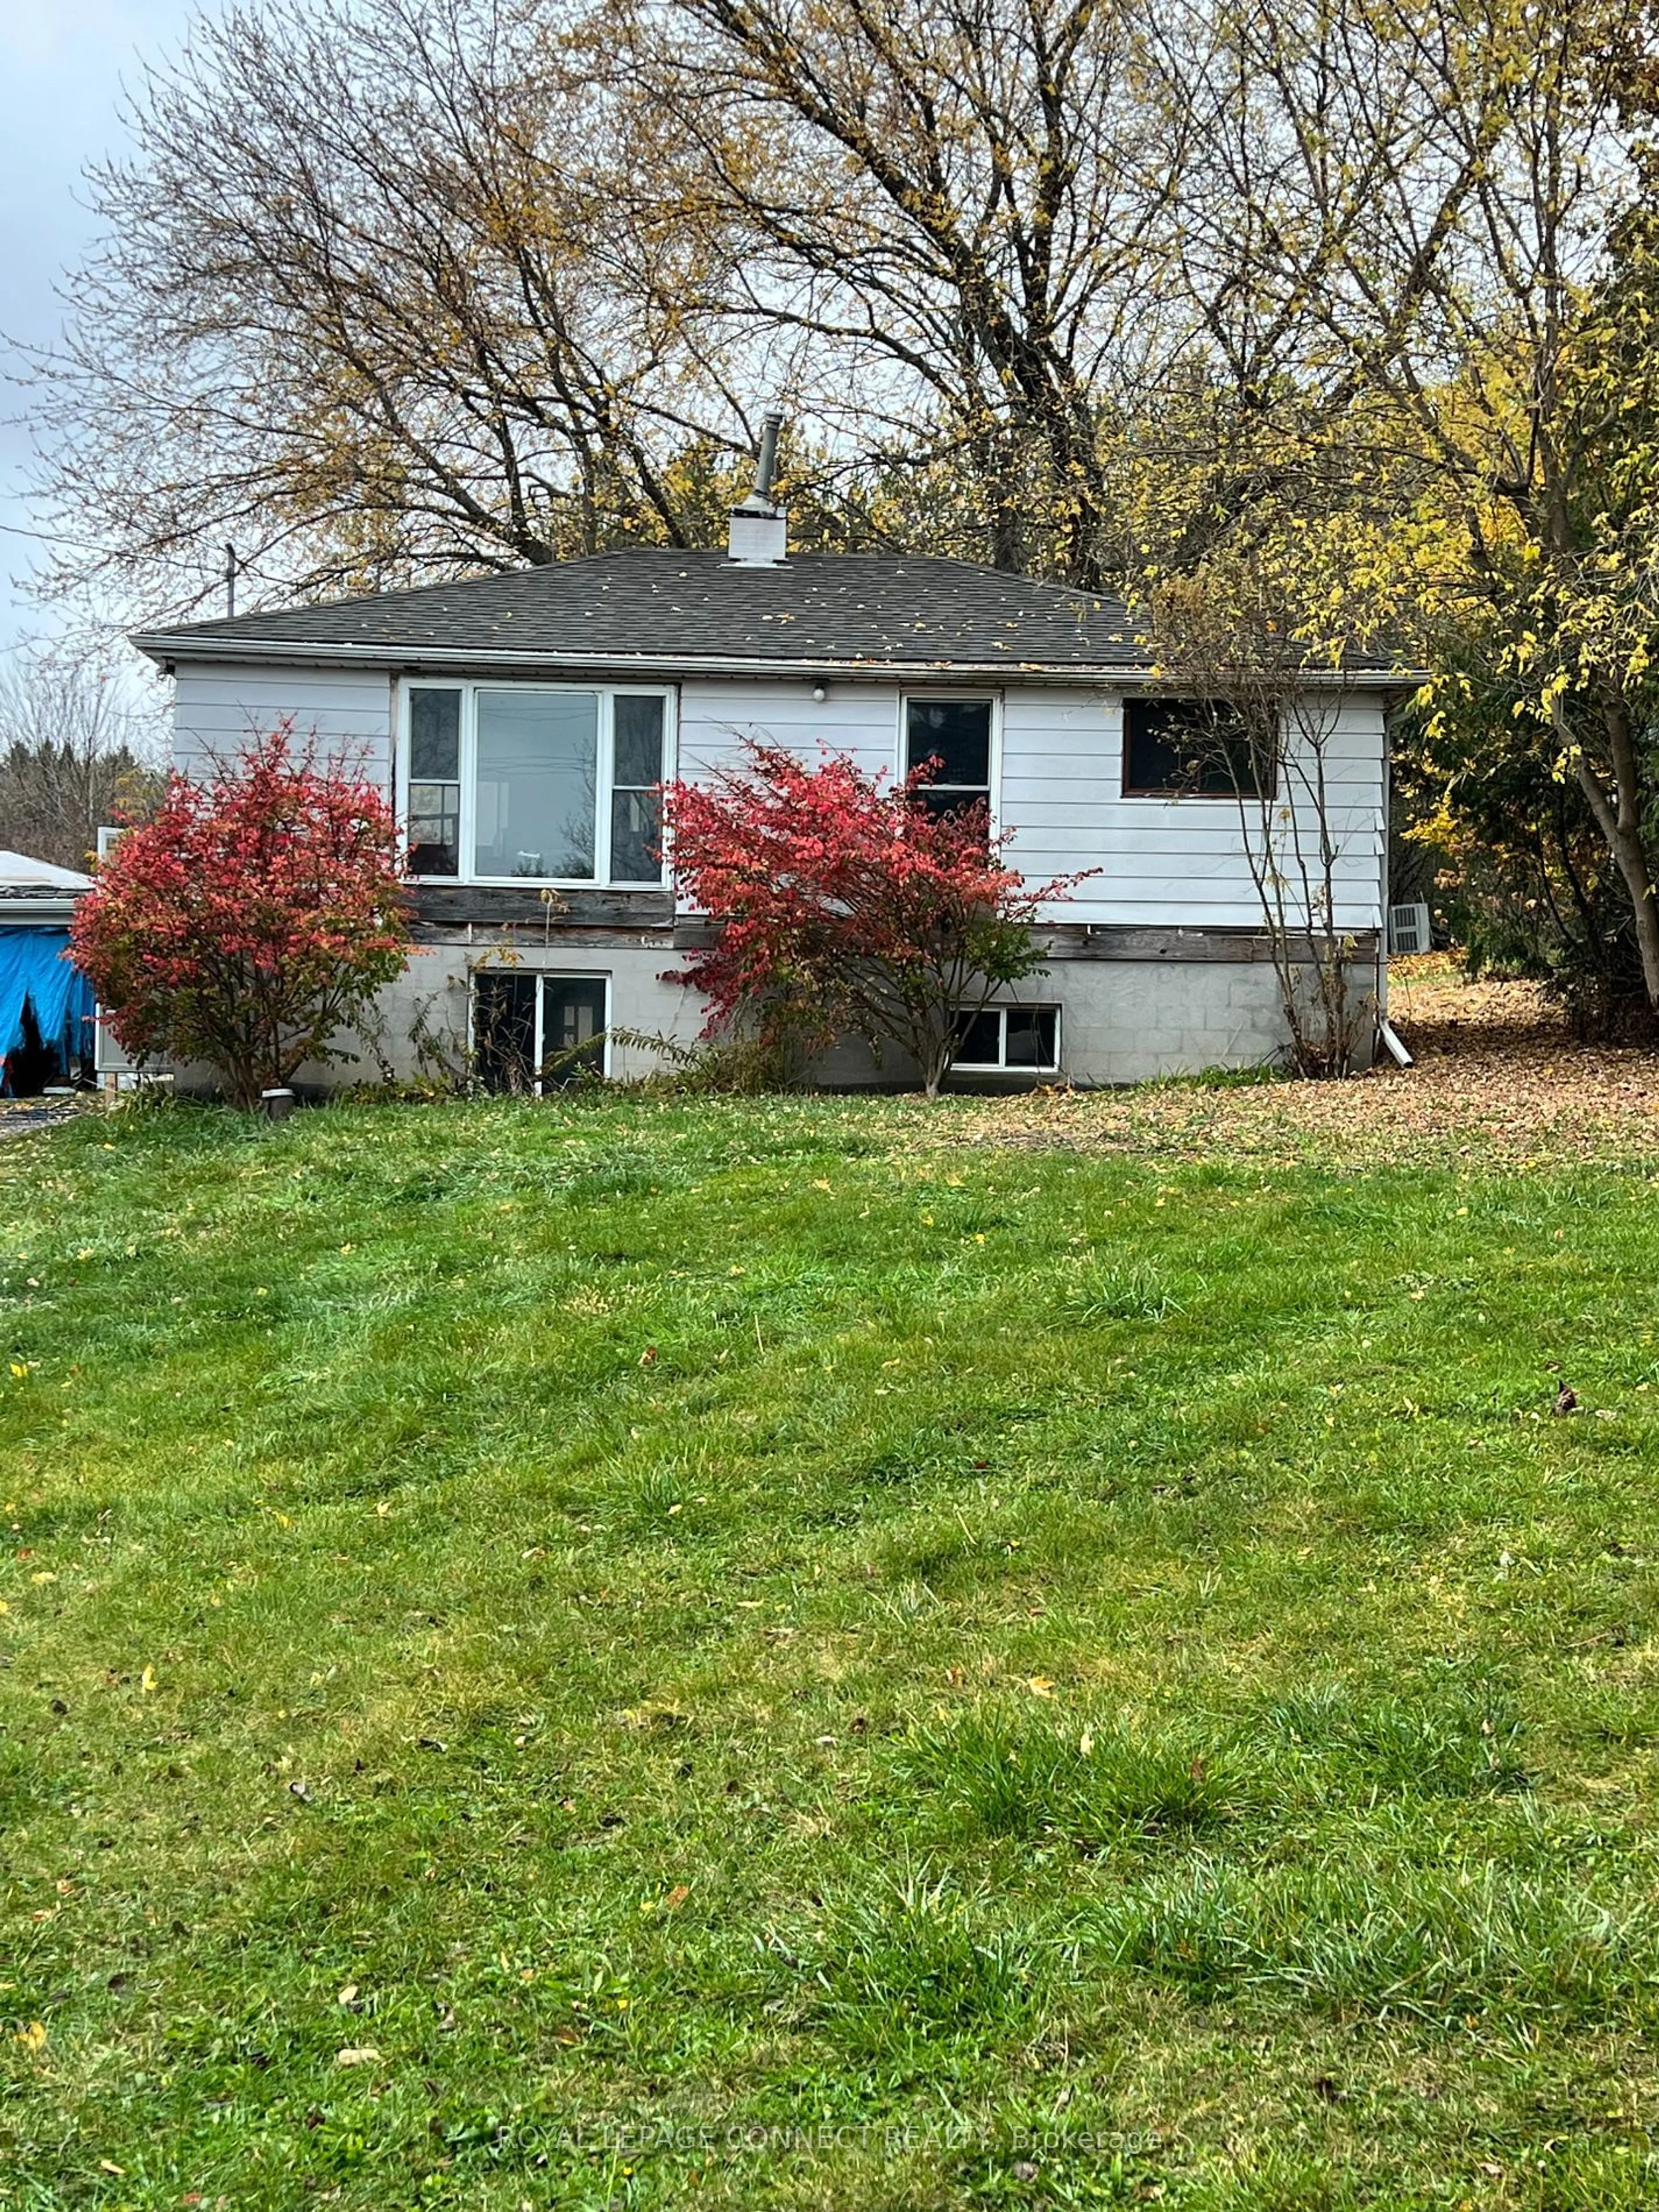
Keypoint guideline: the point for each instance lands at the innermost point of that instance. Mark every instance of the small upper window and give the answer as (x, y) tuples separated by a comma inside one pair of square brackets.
[(1191, 748), (953, 736)]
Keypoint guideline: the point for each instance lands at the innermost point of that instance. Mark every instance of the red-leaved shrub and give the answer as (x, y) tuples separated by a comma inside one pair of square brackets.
[(249, 920), (846, 906)]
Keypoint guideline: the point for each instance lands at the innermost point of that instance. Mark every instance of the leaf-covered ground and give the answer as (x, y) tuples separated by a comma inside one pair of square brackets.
[(1497, 1078), (784, 1653)]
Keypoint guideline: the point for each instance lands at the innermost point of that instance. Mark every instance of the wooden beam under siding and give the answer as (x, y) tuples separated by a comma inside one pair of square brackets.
[(453, 906), (1112, 941)]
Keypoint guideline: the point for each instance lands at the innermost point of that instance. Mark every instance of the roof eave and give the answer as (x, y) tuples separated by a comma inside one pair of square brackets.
[(19, 912), (166, 648)]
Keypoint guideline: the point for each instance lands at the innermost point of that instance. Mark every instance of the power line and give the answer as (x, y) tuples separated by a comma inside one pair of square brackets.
[(49, 538)]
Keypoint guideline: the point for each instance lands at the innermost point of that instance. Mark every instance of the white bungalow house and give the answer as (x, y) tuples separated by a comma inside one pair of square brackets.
[(519, 722)]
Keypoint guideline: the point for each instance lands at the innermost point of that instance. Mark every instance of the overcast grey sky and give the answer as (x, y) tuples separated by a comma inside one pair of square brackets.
[(62, 66)]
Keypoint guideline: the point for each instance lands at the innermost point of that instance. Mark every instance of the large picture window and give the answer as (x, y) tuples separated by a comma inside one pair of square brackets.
[(537, 783)]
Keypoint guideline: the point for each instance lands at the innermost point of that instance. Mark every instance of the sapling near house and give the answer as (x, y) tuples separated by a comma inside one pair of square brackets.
[(1244, 722), (846, 906)]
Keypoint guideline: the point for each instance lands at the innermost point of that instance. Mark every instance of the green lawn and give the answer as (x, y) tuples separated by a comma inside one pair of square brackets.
[(751, 1653)]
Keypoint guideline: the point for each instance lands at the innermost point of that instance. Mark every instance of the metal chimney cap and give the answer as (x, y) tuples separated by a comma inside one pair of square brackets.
[(766, 461), (758, 536)]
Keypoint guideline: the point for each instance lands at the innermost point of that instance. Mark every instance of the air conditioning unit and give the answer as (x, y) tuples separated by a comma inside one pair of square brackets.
[(1410, 929), (109, 1061)]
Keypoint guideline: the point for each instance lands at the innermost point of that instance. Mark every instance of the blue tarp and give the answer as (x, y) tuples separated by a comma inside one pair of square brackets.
[(35, 973)]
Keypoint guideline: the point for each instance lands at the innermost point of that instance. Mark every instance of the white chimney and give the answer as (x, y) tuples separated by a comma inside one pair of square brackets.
[(757, 535)]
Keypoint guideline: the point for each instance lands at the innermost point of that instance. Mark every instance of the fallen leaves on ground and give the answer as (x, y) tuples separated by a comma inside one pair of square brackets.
[(1498, 1079)]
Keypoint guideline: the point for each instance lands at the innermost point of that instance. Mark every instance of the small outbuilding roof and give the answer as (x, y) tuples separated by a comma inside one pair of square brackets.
[(23, 877)]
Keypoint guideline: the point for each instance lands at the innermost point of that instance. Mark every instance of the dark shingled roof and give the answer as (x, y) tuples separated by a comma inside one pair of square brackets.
[(830, 611)]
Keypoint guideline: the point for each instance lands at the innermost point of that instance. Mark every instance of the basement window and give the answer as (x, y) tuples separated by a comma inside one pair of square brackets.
[(1022, 1039), (508, 783), (1190, 749), (533, 1033)]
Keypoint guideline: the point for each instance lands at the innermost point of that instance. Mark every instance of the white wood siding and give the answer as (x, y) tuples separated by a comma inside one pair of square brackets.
[(1167, 861), (1163, 862), (860, 719), (346, 715)]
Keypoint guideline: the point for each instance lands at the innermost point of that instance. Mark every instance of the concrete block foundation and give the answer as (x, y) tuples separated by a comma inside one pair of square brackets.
[(1120, 1021)]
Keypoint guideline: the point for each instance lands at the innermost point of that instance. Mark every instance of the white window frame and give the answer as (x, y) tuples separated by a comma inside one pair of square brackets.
[(1000, 1067), (954, 695), (607, 693), (541, 977)]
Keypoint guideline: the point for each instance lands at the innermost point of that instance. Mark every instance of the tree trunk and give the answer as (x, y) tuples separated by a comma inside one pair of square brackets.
[(1618, 816), (934, 1061)]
